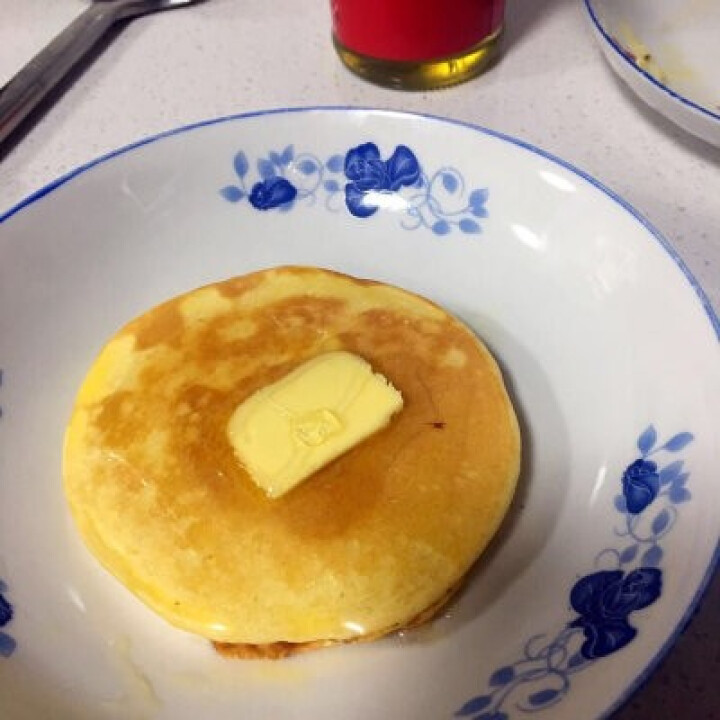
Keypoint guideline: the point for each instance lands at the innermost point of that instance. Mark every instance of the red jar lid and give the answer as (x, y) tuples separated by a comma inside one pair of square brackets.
[(414, 30)]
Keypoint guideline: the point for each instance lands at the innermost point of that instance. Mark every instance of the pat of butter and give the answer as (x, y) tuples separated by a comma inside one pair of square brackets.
[(286, 431)]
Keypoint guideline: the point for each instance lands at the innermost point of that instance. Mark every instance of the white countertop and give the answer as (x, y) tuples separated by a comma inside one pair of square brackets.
[(552, 88)]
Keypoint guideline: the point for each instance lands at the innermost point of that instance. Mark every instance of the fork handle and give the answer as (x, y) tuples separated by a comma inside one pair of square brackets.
[(27, 89)]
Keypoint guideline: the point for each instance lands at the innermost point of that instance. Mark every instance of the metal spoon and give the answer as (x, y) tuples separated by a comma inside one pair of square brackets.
[(27, 89)]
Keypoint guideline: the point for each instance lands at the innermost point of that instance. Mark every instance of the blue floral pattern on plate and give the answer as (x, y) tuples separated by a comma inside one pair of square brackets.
[(370, 177), (603, 600), (362, 183), (7, 643)]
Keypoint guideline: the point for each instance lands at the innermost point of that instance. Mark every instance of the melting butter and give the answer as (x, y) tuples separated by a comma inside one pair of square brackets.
[(287, 431)]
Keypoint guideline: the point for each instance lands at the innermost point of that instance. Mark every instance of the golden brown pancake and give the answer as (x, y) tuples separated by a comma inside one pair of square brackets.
[(369, 543)]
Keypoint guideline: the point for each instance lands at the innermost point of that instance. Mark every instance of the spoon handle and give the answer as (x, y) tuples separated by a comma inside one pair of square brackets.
[(26, 90)]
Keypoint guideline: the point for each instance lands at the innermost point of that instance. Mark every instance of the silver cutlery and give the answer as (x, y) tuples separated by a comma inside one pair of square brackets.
[(24, 92)]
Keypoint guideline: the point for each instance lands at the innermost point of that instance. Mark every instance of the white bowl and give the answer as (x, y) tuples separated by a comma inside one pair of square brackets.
[(609, 348), (681, 77)]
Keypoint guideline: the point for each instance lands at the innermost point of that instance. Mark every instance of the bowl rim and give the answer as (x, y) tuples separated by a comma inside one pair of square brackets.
[(692, 105)]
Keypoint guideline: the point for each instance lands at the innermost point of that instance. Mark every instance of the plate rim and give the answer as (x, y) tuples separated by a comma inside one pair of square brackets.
[(673, 94), (693, 606), (44, 190)]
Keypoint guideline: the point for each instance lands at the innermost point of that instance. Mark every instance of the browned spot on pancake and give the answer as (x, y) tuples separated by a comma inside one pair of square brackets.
[(271, 651), (115, 419), (236, 286), (166, 327)]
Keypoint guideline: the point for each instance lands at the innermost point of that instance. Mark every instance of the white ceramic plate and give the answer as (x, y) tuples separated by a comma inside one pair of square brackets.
[(609, 348), (667, 51)]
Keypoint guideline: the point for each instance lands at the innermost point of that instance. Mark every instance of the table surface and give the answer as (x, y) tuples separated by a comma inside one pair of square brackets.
[(551, 88)]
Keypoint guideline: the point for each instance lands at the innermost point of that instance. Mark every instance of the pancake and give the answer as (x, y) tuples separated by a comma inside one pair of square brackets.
[(369, 543)]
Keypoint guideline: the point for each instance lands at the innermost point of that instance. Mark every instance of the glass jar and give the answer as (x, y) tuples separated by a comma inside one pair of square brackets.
[(417, 44)]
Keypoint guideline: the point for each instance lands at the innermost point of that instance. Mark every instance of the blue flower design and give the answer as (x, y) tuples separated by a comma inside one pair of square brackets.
[(7, 644), (272, 192), (357, 203), (368, 172), (6, 611), (627, 578), (365, 168), (360, 181), (640, 484), (604, 600)]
